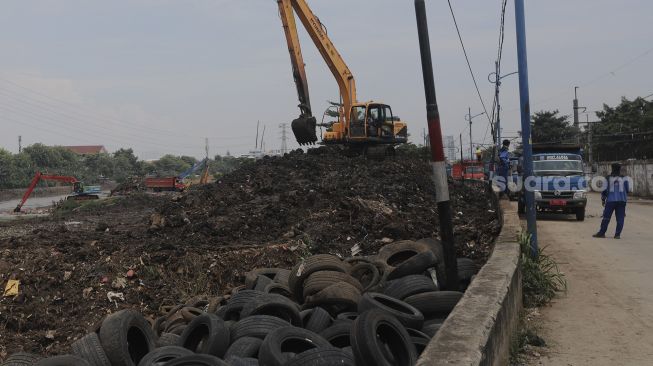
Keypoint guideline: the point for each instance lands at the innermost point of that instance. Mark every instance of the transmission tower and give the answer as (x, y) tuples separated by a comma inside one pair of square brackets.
[(284, 138)]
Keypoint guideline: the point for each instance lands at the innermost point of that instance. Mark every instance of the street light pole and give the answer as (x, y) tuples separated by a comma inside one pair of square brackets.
[(524, 98)]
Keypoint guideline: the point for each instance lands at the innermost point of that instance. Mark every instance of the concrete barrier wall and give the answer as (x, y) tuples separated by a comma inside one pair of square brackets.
[(641, 172), (479, 330)]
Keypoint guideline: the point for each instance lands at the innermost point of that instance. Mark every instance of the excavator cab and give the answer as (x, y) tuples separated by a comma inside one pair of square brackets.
[(304, 129)]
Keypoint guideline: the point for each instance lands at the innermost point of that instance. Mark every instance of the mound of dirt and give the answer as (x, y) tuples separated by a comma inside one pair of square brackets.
[(146, 252), (328, 202)]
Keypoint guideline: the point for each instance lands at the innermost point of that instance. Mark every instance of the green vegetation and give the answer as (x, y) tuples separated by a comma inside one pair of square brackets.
[(541, 277), (624, 131), (541, 280), (17, 170)]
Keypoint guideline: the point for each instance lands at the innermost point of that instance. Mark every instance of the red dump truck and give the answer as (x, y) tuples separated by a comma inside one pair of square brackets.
[(468, 170), (164, 184)]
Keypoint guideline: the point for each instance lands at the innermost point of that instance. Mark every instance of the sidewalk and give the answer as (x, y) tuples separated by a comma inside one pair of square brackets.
[(606, 317)]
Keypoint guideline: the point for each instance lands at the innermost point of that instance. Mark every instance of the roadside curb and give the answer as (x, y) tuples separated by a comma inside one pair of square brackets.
[(479, 330)]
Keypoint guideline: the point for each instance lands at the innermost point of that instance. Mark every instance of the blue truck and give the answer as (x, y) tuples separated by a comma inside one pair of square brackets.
[(559, 182)]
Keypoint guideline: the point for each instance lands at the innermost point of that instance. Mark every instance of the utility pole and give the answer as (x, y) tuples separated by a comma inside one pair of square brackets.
[(284, 138), (437, 150), (469, 118), (471, 145), (206, 147), (20, 144), (576, 121), (262, 137), (524, 98), (257, 125)]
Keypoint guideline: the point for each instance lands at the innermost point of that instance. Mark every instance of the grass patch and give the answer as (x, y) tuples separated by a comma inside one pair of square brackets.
[(541, 281), (542, 278)]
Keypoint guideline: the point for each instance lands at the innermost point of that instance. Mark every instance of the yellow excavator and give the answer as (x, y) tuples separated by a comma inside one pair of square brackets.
[(359, 125)]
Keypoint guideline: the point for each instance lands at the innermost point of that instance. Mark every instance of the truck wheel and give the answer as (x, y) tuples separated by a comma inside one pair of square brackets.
[(521, 207), (580, 214)]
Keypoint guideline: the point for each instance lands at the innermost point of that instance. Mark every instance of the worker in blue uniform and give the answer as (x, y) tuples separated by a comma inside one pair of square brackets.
[(614, 198), (504, 164)]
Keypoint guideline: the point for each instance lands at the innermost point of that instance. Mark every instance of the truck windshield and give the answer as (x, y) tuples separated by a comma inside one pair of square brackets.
[(558, 167), (474, 170)]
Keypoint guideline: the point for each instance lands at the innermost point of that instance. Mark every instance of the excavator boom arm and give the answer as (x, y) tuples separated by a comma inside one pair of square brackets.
[(330, 54), (38, 177), (304, 127), (296, 57)]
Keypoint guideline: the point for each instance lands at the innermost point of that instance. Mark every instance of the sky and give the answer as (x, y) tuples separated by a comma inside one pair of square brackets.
[(160, 76)]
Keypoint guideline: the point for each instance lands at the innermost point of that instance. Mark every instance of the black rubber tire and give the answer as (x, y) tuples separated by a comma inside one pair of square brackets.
[(278, 288), (189, 313), (467, 268), (235, 305), (323, 357), (282, 276), (335, 298), (126, 337), (394, 254), (420, 344), (244, 347), (206, 334), (415, 265), (261, 283), (320, 280), (431, 330), (320, 262), (274, 305), (349, 315), (406, 314), (338, 334), (378, 339), (409, 285), (164, 354), (580, 214), (251, 277), (21, 359), (285, 340), (197, 360), (433, 304), (89, 348), (167, 339), (316, 319), (258, 326), (417, 333), (239, 361), (367, 274), (62, 360)]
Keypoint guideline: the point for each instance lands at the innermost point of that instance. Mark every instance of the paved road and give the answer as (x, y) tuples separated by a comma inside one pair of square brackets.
[(606, 317)]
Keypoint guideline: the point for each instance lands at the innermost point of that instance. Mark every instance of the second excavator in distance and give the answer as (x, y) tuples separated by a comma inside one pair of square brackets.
[(360, 124)]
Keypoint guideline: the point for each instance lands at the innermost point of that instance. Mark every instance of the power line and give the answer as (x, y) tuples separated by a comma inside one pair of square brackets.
[(469, 65), (495, 105)]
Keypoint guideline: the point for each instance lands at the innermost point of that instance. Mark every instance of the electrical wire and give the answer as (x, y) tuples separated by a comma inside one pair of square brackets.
[(495, 104), (469, 65)]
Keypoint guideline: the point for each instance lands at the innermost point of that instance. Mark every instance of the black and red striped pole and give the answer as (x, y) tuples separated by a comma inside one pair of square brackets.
[(437, 151)]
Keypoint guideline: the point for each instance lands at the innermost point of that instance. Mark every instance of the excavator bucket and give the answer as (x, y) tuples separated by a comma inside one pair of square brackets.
[(304, 130)]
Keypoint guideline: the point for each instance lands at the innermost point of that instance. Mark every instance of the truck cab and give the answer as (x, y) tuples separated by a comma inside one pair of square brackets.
[(559, 183)]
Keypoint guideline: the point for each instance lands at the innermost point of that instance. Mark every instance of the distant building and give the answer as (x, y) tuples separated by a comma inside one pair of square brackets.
[(449, 148), (87, 150)]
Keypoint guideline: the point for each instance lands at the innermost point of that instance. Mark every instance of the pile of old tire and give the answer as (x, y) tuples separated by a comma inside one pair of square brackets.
[(366, 311)]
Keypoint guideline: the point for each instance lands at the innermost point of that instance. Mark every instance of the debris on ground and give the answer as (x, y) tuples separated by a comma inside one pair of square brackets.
[(201, 242)]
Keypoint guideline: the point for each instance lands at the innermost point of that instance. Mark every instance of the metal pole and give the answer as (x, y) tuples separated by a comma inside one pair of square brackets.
[(437, 150), (524, 99), (461, 149), (576, 121), (498, 124)]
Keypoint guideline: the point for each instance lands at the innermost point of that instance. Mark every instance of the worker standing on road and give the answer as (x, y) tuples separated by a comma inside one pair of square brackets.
[(504, 164), (479, 154), (614, 198)]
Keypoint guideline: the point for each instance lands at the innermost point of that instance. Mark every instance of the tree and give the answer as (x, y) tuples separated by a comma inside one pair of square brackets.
[(624, 131), (549, 127)]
